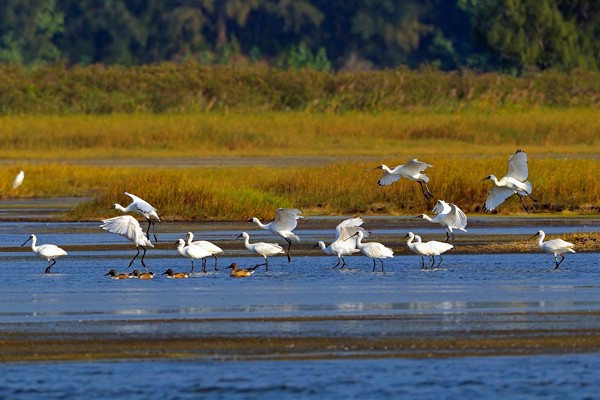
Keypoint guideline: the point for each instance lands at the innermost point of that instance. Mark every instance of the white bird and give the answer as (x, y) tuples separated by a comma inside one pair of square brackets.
[(449, 216), (340, 247), (421, 249), (142, 207), (411, 170), (48, 251), (514, 182), (263, 249), (212, 248), (374, 250), (128, 227), (18, 179), (555, 246), (435, 249), (193, 252), (285, 222)]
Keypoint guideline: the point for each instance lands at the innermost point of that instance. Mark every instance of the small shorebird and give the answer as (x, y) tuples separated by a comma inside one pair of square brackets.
[(241, 272), (142, 207), (48, 251), (175, 275), (557, 247)]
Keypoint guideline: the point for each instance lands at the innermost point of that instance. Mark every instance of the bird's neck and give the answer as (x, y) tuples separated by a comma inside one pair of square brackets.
[(121, 208), (427, 218), (257, 222)]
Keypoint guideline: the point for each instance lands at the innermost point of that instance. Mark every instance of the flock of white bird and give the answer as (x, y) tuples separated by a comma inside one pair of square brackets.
[(349, 233)]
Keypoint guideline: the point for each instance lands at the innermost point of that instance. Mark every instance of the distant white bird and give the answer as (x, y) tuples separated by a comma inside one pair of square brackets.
[(18, 179), (515, 182), (193, 252), (213, 249), (286, 220), (263, 249), (128, 227), (374, 250), (341, 247), (142, 207), (411, 170), (435, 249), (48, 251), (555, 246), (449, 216)]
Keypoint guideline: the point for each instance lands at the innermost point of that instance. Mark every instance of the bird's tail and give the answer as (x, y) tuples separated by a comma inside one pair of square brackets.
[(528, 187), (424, 178), (571, 250)]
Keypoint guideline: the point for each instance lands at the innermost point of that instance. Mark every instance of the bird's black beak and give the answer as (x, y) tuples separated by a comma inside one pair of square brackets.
[(26, 241), (356, 234), (250, 220), (108, 273), (406, 236), (164, 273), (485, 179), (316, 245), (238, 236), (537, 234)]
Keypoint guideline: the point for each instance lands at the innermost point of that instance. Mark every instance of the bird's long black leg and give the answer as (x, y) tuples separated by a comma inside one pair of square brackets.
[(447, 236), (192, 266), (338, 263), (562, 258), (343, 263), (216, 259), (50, 266), (143, 255), (432, 262), (428, 191), (529, 195), (134, 257), (288, 251), (204, 265), (523, 203), (374, 265), (422, 262), (423, 190), (154, 231), (267, 263), (381, 261), (440, 261)]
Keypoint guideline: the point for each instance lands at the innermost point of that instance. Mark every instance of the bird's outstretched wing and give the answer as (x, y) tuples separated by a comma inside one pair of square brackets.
[(459, 218), (517, 166), (441, 207), (414, 167), (286, 219), (128, 227), (348, 228), (387, 179), (140, 203), (496, 196)]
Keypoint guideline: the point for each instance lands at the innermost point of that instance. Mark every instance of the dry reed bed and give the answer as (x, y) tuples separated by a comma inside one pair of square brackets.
[(237, 193)]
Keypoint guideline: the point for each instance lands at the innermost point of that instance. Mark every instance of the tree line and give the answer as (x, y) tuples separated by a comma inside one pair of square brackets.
[(489, 35)]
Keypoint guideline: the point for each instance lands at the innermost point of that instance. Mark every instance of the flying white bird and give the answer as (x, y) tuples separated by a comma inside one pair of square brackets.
[(286, 220), (142, 207), (18, 179), (555, 246), (48, 251), (213, 249), (449, 216), (411, 170), (262, 249), (374, 250), (128, 227), (340, 247), (435, 249), (514, 182), (193, 252)]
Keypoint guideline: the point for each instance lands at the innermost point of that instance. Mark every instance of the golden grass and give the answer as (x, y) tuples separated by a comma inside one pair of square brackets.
[(385, 135), (238, 193)]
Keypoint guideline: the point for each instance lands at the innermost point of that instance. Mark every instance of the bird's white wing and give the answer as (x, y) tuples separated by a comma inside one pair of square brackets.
[(18, 179), (496, 196), (348, 228), (441, 207), (141, 204), (387, 179), (414, 167), (517, 166), (286, 219), (127, 226), (268, 248), (459, 218)]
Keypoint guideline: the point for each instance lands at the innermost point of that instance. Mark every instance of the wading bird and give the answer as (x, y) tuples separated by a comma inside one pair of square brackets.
[(193, 252), (555, 246), (18, 179), (129, 228), (262, 249), (285, 222), (514, 182), (142, 207), (241, 272), (412, 170), (341, 247), (435, 249), (449, 216), (48, 251), (114, 275), (420, 249), (213, 249), (175, 275), (374, 250)]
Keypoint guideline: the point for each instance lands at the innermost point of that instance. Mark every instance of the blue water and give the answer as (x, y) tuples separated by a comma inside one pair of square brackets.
[(535, 377)]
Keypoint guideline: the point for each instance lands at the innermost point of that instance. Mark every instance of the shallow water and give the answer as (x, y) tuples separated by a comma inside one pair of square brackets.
[(538, 377)]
